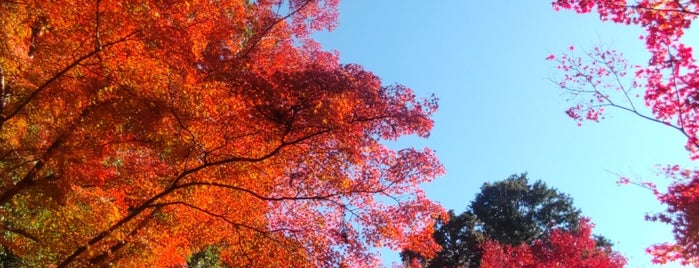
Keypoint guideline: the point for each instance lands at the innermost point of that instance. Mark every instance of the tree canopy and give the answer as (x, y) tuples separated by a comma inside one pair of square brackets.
[(514, 223), (513, 211), (135, 133)]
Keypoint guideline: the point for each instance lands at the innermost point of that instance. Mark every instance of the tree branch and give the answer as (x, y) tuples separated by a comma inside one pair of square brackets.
[(175, 186), (682, 9), (271, 26), (103, 256), (21, 232), (59, 74), (221, 217)]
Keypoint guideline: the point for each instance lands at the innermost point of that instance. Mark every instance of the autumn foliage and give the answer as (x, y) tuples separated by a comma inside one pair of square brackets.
[(559, 249), (136, 133), (668, 85)]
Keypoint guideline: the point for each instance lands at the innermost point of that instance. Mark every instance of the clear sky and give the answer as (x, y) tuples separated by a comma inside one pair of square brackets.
[(500, 114)]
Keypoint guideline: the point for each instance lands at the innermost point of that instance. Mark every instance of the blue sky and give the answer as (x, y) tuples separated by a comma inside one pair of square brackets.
[(499, 112)]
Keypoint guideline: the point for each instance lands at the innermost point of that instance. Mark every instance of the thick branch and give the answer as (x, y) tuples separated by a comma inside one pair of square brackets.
[(30, 176), (103, 256), (20, 232)]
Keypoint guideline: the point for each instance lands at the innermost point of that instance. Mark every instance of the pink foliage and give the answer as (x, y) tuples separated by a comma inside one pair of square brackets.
[(560, 249)]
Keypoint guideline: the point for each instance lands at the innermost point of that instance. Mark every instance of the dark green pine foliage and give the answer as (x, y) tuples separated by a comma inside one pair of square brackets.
[(459, 240), (513, 211)]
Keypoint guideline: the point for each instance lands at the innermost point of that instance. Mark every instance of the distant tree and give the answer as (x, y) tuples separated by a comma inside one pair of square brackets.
[(513, 211), (508, 214)]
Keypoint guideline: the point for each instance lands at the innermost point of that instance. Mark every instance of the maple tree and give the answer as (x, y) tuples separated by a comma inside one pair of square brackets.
[(136, 133), (561, 248), (668, 85)]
